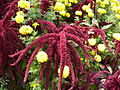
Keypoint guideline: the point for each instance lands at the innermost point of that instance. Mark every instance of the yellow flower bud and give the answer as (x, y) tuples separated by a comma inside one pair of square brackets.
[(97, 58), (101, 47), (42, 56), (19, 18), (78, 13), (90, 14), (92, 41), (116, 36), (66, 71), (81, 59), (35, 24), (67, 15)]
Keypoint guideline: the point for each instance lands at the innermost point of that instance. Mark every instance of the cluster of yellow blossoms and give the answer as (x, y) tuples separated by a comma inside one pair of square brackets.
[(61, 5), (66, 71), (42, 56), (24, 4), (25, 29), (87, 9), (114, 6), (19, 17)]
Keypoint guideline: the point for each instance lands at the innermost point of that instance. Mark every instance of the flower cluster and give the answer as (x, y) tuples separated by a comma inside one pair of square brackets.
[(24, 4), (61, 6), (19, 18)]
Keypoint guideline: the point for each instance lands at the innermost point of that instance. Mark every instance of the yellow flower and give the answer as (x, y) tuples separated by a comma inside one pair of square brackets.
[(98, 1), (116, 36), (67, 15), (24, 4), (90, 14), (101, 47), (81, 59), (62, 13), (89, 10), (66, 71), (117, 15), (71, 1), (97, 58), (75, 1), (19, 18), (33, 85), (25, 29), (59, 6), (42, 56), (106, 2), (93, 53), (84, 7), (101, 11), (35, 24), (78, 13), (92, 41), (20, 13), (102, 5)]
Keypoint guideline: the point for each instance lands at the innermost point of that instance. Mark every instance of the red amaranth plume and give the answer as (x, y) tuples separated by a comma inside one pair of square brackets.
[(45, 4), (3, 5), (112, 82), (59, 49), (10, 43)]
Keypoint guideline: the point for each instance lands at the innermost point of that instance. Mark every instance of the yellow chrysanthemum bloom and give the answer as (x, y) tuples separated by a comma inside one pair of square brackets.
[(116, 36), (84, 7), (90, 14), (25, 29), (35, 24), (20, 13), (101, 47), (66, 71), (42, 56), (92, 41), (19, 18), (101, 11), (78, 13), (59, 6), (67, 15), (117, 15), (97, 58), (24, 4), (62, 13)]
